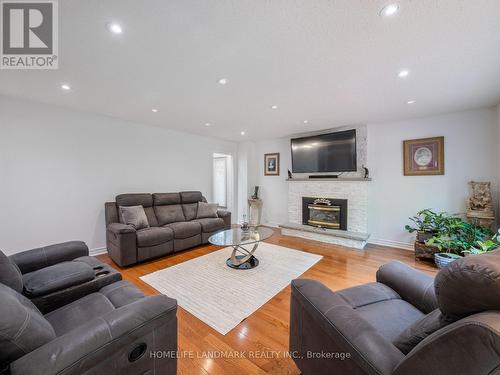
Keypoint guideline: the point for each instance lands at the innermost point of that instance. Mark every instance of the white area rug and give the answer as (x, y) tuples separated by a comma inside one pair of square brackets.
[(221, 296)]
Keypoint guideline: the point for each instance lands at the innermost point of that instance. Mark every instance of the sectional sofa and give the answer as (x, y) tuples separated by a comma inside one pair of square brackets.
[(174, 225)]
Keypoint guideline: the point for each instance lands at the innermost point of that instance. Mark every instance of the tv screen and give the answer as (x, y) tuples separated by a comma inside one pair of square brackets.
[(333, 152)]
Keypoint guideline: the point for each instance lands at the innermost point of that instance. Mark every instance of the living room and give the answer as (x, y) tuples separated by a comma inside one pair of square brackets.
[(250, 187)]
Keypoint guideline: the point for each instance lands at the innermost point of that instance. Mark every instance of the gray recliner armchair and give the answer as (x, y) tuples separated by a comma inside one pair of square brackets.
[(117, 330), (405, 323), (52, 276)]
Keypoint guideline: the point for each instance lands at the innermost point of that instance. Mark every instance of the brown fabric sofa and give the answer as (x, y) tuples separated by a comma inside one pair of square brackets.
[(406, 323), (173, 226)]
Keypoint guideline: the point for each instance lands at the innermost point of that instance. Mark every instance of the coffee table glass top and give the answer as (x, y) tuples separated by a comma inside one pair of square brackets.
[(237, 236)]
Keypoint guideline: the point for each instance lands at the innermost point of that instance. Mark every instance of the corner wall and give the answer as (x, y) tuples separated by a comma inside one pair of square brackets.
[(58, 167), (471, 144), (498, 164)]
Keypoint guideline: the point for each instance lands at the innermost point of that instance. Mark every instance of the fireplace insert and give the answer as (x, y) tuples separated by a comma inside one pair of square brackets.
[(324, 212)]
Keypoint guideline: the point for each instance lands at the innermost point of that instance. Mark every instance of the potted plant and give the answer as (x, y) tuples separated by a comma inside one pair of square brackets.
[(481, 247), (424, 224), (457, 236), (449, 244)]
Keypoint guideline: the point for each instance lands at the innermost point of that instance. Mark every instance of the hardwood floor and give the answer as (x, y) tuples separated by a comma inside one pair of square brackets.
[(262, 339)]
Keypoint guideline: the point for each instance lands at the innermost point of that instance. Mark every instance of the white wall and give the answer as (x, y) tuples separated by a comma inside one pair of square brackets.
[(470, 153), (498, 163), (58, 167)]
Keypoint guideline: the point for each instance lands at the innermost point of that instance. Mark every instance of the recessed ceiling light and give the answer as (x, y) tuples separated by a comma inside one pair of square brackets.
[(389, 10), (222, 81), (242, 133), (274, 107), (411, 102), (403, 73), (154, 110), (305, 121), (114, 28), (207, 124), (66, 87)]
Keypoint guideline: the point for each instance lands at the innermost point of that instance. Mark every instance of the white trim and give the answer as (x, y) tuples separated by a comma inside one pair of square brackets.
[(273, 225), (390, 243), (97, 251)]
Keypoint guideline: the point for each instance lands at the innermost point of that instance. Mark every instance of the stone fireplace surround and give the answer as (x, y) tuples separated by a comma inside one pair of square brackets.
[(354, 190)]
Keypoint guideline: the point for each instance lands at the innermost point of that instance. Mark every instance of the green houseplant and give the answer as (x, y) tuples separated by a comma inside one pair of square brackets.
[(456, 237), (424, 224), (481, 247)]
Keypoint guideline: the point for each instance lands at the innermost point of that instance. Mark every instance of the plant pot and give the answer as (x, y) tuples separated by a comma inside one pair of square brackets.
[(443, 259), (424, 236), (424, 252)]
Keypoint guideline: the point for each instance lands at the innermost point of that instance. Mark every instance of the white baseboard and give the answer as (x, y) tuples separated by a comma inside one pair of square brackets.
[(97, 251), (390, 243)]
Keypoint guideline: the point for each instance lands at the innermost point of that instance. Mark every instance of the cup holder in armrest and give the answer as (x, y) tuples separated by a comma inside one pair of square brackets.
[(101, 273), (98, 268)]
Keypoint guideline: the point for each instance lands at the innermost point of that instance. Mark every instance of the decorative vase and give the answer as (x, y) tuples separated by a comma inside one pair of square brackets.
[(443, 259), (244, 225)]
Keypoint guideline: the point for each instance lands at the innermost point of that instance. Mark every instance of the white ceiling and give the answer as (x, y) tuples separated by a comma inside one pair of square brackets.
[(331, 62)]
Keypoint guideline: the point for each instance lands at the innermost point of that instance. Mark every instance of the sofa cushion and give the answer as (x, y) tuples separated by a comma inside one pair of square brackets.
[(419, 330), (79, 312), (160, 199), (133, 215), (209, 225), (134, 199), (190, 210), (57, 277), (22, 326), (190, 196), (10, 274), (185, 229), (207, 210), (366, 294), (390, 317), (167, 214), (469, 285), (154, 236)]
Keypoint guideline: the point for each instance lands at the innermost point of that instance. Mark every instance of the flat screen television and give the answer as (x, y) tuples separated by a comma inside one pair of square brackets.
[(332, 152)]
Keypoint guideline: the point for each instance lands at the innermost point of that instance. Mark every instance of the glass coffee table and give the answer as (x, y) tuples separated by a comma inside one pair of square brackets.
[(237, 238)]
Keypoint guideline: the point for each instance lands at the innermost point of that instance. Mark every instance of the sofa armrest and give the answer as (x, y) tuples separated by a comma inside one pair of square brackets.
[(121, 243), (120, 228), (324, 329), (35, 259), (105, 344), (226, 216), (472, 345), (413, 286)]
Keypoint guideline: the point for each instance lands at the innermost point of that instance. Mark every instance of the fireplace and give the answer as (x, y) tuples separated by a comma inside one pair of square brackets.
[(324, 212)]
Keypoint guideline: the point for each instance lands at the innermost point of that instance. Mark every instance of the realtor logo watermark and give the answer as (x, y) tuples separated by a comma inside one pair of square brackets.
[(29, 34)]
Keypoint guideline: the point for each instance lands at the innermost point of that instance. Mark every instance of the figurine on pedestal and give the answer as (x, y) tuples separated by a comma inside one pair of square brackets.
[(480, 207)]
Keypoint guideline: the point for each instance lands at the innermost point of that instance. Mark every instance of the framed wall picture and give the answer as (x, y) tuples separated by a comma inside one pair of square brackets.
[(423, 157), (272, 164)]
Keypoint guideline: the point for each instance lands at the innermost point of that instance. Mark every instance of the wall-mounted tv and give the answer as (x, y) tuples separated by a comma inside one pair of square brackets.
[(332, 152)]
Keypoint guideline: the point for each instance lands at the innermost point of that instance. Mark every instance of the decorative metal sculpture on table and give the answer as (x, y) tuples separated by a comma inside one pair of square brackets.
[(480, 205), (255, 208), (244, 225)]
